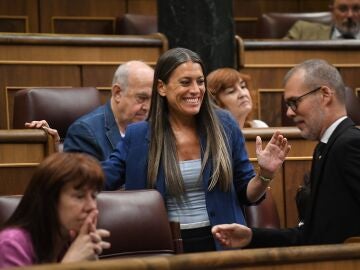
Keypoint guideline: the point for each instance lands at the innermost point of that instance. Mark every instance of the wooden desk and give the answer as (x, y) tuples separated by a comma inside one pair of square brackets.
[(28, 60), (290, 176), (325, 257), (268, 61), (20, 152)]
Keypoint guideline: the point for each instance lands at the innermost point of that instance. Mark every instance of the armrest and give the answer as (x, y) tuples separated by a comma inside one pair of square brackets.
[(176, 235)]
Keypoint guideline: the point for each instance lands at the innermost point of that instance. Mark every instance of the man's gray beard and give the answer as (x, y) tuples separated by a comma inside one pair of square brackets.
[(352, 27)]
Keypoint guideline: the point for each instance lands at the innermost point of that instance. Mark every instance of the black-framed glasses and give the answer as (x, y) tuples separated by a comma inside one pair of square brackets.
[(293, 103)]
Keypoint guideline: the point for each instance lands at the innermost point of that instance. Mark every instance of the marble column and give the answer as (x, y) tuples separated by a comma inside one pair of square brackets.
[(204, 26)]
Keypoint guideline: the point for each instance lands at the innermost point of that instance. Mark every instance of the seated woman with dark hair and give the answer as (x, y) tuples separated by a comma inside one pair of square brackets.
[(229, 89), (56, 219)]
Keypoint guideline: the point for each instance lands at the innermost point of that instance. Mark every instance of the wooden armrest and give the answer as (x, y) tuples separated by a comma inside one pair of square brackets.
[(176, 235), (354, 239)]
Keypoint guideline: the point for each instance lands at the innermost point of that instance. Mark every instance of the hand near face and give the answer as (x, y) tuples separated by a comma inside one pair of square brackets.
[(88, 243), (232, 235), (273, 155)]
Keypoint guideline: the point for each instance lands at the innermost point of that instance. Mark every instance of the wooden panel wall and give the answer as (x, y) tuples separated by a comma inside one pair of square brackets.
[(20, 8), (88, 9), (20, 152), (67, 16), (146, 7), (268, 61), (247, 13), (325, 257), (51, 60)]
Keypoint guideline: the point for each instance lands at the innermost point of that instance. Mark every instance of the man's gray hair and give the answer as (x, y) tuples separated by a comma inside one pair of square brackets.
[(318, 72), (121, 76)]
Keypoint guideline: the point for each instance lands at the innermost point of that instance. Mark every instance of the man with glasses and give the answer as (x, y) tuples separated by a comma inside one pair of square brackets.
[(314, 94), (345, 23)]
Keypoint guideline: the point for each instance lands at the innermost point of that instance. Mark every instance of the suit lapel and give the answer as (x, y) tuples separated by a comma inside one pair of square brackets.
[(317, 167), (112, 130), (113, 136)]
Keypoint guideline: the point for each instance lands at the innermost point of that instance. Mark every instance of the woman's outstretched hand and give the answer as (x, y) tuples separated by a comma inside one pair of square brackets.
[(273, 155)]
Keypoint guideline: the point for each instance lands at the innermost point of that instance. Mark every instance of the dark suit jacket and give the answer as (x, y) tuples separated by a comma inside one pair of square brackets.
[(334, 207), (95, 133)]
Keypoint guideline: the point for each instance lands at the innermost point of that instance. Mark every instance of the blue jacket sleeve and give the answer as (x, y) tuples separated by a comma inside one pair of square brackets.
[(114, 167), (243, 170)]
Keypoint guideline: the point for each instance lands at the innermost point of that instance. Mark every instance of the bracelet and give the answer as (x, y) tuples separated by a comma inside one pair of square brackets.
[(265, 179)]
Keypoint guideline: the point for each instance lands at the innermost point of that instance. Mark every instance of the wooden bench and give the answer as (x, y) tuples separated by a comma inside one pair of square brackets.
[(44, 60), (20, 152), (324, 257)]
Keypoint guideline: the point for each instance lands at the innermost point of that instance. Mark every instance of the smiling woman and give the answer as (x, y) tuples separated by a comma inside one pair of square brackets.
[(192, 153), (184, 90), (58, 208)]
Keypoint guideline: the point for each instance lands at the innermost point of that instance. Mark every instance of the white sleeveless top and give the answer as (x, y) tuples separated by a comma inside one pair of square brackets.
[(190, 210)]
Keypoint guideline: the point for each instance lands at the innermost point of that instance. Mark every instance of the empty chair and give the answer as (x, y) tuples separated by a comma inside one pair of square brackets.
[(276, 25), (137, 24), (60, 107), (263, 215), (138, 223)]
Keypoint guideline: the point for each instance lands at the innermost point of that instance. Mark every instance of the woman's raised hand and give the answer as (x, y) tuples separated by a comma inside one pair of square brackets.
[(273, 155)]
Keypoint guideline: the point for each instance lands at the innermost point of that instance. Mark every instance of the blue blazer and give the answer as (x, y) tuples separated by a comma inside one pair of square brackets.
[(128, 165), (95, 133)]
